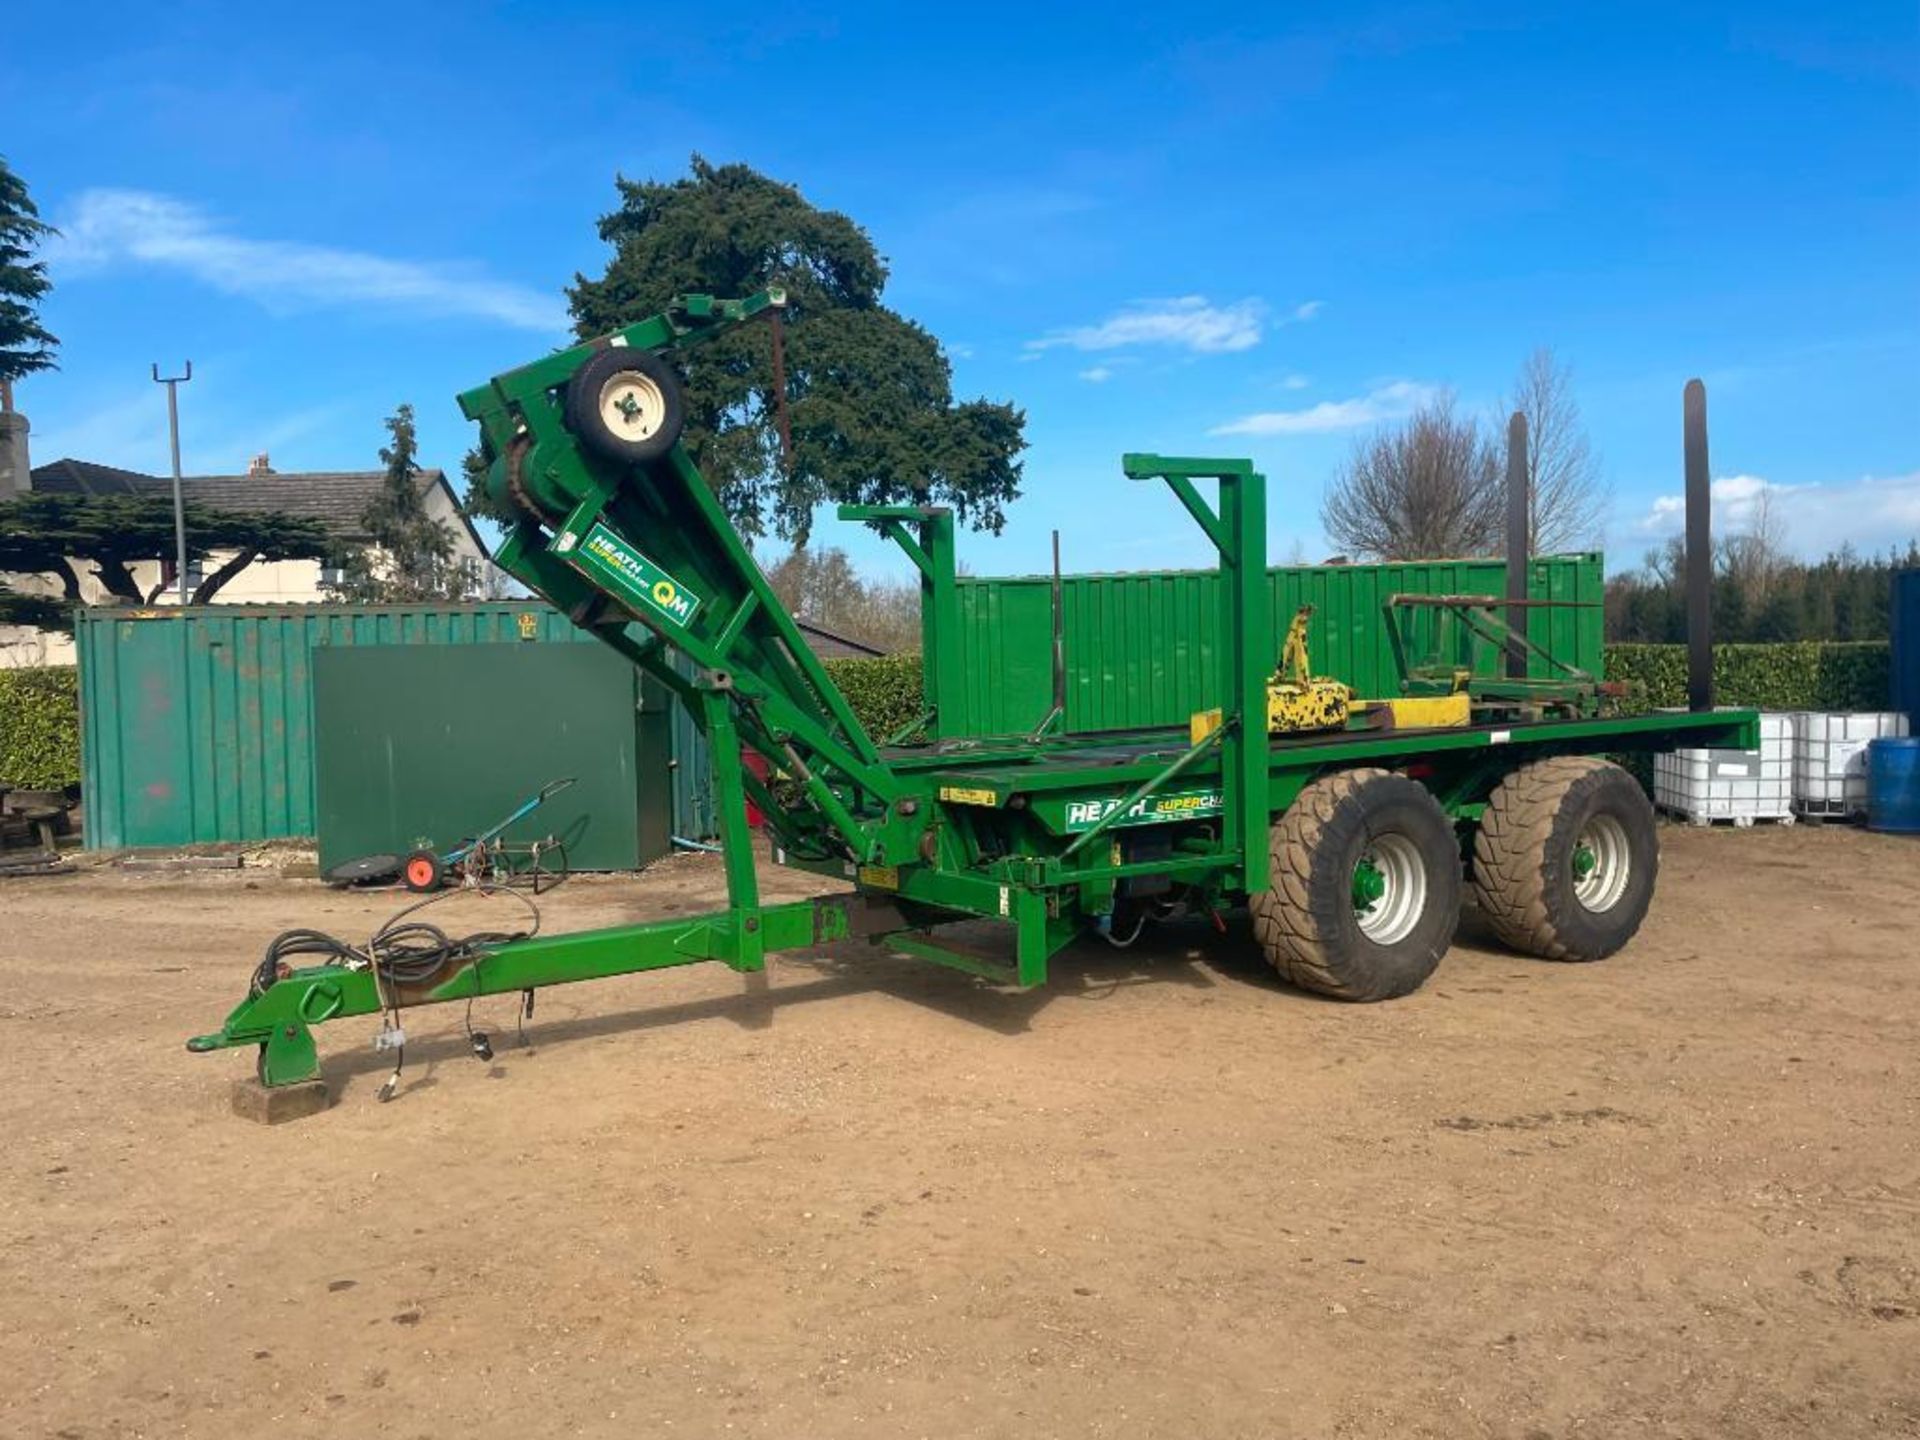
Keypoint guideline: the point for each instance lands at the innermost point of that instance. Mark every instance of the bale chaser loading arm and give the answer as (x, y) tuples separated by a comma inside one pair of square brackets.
[(1352, 847)]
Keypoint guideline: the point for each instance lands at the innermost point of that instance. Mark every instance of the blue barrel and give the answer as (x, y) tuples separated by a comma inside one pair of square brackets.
[(1893, 785)]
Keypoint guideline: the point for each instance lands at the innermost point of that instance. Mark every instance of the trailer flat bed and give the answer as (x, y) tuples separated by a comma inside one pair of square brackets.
[(1353, 848)]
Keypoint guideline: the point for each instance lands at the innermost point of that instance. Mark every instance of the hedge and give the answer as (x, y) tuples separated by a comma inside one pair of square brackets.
[(1799, 675), (885, 691), (40, 727)]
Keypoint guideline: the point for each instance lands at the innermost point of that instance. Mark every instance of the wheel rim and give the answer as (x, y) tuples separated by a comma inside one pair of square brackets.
[(632, 406), (1601, 864), (1389, 889), (420, 872)]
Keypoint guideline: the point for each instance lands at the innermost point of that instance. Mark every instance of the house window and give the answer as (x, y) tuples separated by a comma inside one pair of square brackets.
[(331, 575)]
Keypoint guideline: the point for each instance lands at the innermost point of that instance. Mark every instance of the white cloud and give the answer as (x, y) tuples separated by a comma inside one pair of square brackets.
[(118, 227), (1189, 322), (1295, 382), (1388, 402), (1873, 513), (1734, 498), (1098, 375), (1305, 311)]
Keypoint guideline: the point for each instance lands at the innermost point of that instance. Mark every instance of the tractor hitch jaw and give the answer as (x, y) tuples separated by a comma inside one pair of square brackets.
[(288, 1055)]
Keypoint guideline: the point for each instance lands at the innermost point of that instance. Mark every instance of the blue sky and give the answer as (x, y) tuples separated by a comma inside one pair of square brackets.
[(1195, 229)]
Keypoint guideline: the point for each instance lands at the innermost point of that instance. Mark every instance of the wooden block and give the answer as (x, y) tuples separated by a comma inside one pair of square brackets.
[(179, 863), (277, 1104)]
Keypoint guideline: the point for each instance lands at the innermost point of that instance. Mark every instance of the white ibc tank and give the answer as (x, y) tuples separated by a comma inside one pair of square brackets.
[(1830, 759), (1738, 785)]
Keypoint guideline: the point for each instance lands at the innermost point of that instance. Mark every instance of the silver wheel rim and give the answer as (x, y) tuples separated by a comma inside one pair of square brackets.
[(1602, 853), (1403, 895), (632, 406)]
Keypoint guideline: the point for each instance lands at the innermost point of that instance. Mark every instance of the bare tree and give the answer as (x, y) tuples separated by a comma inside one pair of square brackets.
[(1753, 557), (1568, 494), (1425, 489), (821, 585)]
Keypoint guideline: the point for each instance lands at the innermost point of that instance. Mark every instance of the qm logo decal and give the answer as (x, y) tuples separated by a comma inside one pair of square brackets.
[(633, 579)]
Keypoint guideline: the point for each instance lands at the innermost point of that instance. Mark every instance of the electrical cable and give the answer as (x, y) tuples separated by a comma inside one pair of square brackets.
[(284, 948), (401, 953)]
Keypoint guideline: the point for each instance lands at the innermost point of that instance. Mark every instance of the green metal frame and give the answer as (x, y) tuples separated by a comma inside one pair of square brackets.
[(1039, 834), (1566, 686), (930, 546)]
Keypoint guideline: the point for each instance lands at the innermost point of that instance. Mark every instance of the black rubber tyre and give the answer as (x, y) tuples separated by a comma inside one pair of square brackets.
[(423, 872), (1541, 894), (1310, 921), (625, 405), (366, 868)]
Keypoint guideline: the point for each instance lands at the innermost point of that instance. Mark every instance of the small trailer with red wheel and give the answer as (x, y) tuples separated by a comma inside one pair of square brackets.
[(485, 856), (1353, 845), (479, 859)]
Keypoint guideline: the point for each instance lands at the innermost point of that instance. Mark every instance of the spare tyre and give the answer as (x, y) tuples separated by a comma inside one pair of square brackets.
[(625, 405)]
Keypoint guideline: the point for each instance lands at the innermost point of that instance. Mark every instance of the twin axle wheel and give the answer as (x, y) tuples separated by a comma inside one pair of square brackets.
[(1367, 881), (1565, 859)]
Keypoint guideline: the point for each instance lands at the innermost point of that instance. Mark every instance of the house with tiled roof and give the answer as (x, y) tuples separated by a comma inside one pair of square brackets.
[(336, 499)]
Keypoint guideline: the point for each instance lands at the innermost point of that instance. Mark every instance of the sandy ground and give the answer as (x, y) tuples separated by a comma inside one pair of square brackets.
[(1673, 1194)]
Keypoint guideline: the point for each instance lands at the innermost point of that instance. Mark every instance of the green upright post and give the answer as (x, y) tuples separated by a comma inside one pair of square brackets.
[(933, 555), (1246, 656), (736, 836), (940, 620), (1238, 531)]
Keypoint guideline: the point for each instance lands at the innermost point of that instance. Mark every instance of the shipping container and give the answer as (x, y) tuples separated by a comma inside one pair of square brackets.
[(197, 724), (1140, 647)]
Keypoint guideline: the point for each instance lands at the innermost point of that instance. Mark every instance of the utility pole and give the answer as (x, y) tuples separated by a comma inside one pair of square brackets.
[(173, 383)]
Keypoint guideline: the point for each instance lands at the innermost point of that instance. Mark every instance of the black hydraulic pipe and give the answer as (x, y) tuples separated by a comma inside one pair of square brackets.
[(1699, 551), (1519, 542)]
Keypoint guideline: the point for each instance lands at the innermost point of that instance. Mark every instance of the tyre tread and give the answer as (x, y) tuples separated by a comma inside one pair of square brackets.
[(1510, 853), (1291, 932)]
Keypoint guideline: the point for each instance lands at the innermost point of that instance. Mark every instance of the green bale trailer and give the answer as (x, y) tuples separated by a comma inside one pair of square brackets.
[(1353, 849)]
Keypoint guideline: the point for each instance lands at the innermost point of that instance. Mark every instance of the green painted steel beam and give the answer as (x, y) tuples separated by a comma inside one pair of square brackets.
[(934, 555), (280, 1018), (922, 946)]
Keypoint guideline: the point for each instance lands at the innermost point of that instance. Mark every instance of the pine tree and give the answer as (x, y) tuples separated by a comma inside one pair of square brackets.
[(408, 557), (869, 393), (25, 346)]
